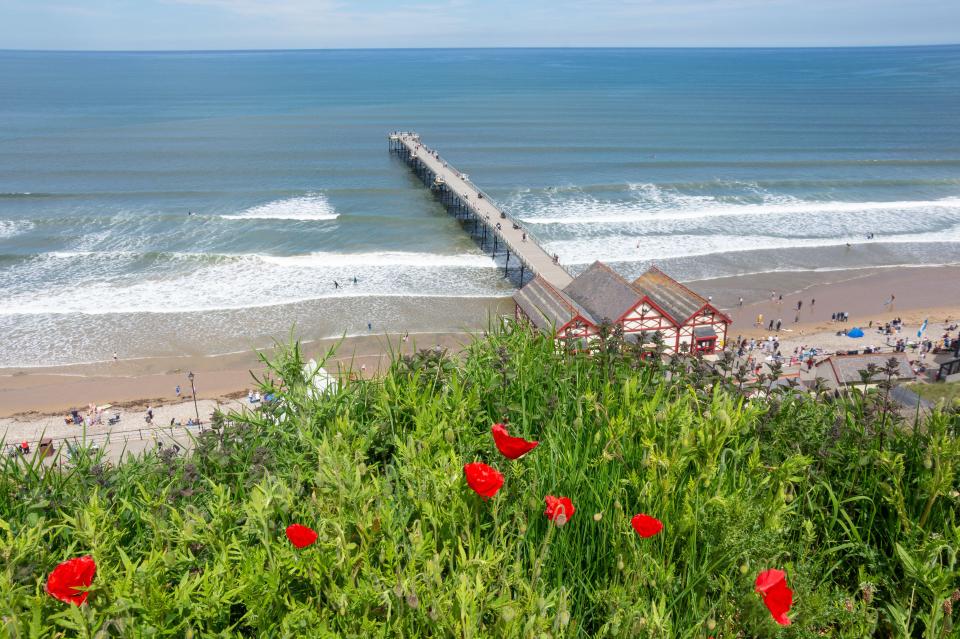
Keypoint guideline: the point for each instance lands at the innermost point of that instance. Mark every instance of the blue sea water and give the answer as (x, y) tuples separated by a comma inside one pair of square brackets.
[(161, 203)]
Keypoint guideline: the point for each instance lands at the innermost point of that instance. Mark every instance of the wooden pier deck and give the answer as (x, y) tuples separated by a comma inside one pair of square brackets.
[(469, 203)]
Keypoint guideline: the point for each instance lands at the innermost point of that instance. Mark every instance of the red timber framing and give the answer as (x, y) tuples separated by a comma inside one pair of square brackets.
[(578, 327), (648, 318), (704, 331), (709, 318)]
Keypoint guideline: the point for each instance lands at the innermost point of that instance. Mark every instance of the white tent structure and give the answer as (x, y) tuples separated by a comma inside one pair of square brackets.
[(320, 379)]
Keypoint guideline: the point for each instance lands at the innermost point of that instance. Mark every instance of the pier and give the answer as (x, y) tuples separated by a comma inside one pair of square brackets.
[(494, 230)]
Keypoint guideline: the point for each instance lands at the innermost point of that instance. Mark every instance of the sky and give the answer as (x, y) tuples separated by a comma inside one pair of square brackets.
[(319, 24)]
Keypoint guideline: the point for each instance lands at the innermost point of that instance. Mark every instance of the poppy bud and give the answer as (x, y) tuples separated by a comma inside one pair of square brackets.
[(412, 601), (597, 516)]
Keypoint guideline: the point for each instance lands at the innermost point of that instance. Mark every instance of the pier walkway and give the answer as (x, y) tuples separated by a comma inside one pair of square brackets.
[(470, 204)]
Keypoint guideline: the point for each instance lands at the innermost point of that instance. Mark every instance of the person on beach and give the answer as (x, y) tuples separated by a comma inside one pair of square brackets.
[(369, 326), (779, 324), (178, 391), (799, 305), (770, 326), (354, 279), (740, 303), (759, 322), (114, 356), (336, 284), (780, 300)]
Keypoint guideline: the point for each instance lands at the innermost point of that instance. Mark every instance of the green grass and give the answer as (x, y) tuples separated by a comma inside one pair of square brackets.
[(948, 392), (859, 509)]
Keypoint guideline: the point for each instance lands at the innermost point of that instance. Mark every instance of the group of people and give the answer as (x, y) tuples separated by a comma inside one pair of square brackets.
[(770, 345), (93, 417), (842, 316)]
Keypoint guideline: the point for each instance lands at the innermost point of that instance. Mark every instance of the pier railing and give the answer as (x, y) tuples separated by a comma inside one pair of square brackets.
[(459, 193)]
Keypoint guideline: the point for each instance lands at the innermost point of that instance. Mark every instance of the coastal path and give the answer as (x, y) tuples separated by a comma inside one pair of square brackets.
[(493, 229)]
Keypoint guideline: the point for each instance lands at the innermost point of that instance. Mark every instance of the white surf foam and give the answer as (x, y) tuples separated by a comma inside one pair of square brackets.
[(424, 260), (10, 228), (591, 211), (197, 282), (312, 206), (636, 249)]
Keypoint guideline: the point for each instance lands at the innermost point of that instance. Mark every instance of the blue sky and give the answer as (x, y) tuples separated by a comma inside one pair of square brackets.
[(282, 24)]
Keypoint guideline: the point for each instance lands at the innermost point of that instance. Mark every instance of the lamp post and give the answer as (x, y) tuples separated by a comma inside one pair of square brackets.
[(193, 390)]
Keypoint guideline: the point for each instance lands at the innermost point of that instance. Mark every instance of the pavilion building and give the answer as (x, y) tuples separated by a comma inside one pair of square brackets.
[(653, 303)]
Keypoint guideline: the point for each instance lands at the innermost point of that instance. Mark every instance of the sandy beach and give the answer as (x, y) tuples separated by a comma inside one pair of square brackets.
[(133, 384), (36, 399), (34, 403)]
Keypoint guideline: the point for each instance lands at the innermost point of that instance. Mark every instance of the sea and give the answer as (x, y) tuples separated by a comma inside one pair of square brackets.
[(194, 203)]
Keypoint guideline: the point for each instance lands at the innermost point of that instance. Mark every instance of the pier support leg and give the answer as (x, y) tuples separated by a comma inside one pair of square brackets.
[(506, 267)]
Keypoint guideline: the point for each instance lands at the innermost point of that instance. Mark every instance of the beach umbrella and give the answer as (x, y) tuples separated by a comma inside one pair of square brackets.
[(855, 333)]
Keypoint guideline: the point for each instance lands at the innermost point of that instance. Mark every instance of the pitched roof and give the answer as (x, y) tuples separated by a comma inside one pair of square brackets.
[(547, 307), (845, 369), (602, 292), (678, 301)]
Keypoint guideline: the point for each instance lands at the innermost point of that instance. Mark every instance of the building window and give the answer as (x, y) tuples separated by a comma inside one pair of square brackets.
[(707, 345)]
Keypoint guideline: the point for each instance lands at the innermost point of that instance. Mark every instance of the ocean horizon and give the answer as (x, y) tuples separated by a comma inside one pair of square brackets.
[(159, 203)]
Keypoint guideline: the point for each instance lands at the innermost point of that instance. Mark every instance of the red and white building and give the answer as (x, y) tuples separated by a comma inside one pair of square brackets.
[(653, 303)]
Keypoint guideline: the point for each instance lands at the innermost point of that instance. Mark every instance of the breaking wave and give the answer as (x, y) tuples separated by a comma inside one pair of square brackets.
[(309, 207)]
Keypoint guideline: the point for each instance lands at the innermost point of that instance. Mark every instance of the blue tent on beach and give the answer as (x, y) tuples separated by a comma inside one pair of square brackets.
[(855, 333)]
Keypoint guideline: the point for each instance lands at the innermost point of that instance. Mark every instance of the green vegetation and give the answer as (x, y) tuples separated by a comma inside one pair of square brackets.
[(859, 509), (948, 392)]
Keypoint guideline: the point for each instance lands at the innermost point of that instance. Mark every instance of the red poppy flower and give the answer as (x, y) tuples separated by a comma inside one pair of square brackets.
[(484, 480), (559, 509), (301, 536), (777, 596), (645, 525), (510, 447), (66, 578)]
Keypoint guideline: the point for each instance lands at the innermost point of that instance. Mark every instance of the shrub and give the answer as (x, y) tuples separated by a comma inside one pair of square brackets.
[(859, 509)]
